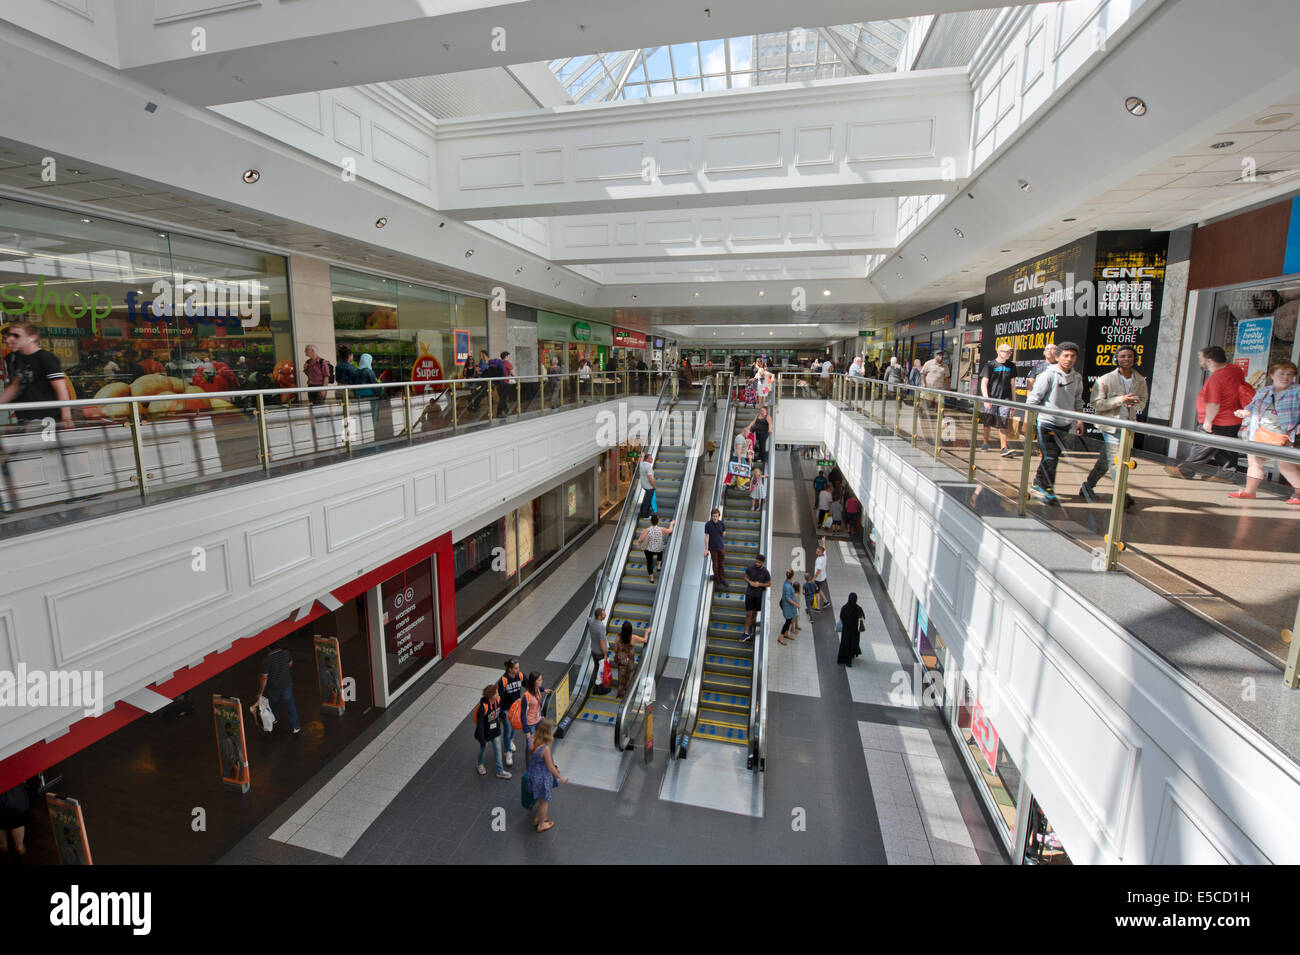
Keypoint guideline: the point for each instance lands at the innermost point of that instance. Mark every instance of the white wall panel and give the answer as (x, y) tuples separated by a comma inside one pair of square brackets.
[(278, 547)]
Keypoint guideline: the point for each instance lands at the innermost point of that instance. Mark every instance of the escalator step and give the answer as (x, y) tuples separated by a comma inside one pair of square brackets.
[(726, 701)]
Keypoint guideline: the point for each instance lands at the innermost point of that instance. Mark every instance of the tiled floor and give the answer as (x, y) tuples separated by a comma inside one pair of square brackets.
[(791, 668), (410, 793)]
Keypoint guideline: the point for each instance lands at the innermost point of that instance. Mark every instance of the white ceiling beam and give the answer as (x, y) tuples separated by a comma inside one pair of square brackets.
[(846, 56)]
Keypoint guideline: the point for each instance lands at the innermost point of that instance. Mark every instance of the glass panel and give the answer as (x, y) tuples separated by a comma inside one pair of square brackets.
[(686, 60), (742, 53), (742, 79), (997, 770), (713, 56), (478, 584), (410, 618), (637, 91), (658, 64), (715, 83), (662, 89), (688, 86)]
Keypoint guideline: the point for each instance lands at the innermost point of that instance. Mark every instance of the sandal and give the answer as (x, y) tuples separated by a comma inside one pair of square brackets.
[(1294, 500), (1242, 495), (548, 824), (782, 641)]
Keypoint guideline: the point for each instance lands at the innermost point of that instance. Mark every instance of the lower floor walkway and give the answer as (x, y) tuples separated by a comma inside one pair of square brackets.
[(856, 773)]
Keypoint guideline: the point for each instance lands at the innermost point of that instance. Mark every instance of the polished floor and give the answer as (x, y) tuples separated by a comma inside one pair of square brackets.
[(850, 778)]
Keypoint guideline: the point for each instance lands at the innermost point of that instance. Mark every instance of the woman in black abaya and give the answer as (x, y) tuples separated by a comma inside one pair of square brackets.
[(852, 622)]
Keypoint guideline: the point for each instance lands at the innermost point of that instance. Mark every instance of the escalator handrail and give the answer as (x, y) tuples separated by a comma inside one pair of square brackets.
[(687, 707), (632, 708), (579, 666), (757, 739)]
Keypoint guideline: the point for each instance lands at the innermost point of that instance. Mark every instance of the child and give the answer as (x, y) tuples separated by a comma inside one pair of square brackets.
[(711, 447), (757, 490), (809, 592), (837, 516), (487, 729)]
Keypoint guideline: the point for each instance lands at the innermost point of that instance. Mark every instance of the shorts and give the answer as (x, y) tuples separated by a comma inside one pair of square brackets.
[(753, 603), (997, 418)]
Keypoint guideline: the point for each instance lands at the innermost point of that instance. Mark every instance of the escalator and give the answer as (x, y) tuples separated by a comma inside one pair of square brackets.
[(624, 590), (723, 694)]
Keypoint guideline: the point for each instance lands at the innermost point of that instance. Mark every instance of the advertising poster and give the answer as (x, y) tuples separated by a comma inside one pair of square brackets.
[(329, 675), (986, 737), (69, 830), (562, 697), (1130, 283), (524, 531), (410, 634), (462, 345), (232, 752), (1254, 344), (427, 367)]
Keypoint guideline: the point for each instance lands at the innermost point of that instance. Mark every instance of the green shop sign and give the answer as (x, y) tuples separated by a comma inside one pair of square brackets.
[(581, 332), (552, 327)]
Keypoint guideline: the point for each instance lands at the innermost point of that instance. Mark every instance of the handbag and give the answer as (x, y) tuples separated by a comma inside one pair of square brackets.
[(526, 792), (1265, 436), (839, 626)]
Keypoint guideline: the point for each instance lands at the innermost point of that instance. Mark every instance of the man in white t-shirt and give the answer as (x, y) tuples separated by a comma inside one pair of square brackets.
[(646, 475), (819, 572), (823, 505), (825, 381)]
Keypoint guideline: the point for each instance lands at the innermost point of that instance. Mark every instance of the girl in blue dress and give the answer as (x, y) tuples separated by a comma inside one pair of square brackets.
[(543, 774)]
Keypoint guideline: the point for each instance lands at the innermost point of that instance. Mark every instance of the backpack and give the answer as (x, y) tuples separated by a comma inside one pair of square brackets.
[(516, 713), (329, 373), (473, 714), (495, 369)]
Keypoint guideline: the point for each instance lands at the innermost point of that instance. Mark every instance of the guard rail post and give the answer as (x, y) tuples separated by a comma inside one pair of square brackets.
[(938, 428), (406, 411), (263, 444), (916, 414), (1031, 430), (137, 444), (1291, 676), (1122, 463), (974, 438), (347, 420)]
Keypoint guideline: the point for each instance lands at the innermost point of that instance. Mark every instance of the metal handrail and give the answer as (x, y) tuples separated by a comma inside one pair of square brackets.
[(633, 706), (579, 668), (757, 758), (688, 694)]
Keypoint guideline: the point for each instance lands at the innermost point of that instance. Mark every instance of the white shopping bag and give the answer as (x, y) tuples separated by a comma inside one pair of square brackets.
[(262, 710)]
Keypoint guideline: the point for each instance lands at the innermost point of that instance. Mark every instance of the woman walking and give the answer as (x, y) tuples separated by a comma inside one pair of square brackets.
[(852, 622), (789, 608), (1274, 419), (532, 703), (625, 655), (543, 774)]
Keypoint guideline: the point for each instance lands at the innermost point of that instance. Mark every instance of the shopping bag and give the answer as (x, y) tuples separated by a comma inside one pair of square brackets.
[(526, 792), (654, 501), (606, 672), (262, 709)]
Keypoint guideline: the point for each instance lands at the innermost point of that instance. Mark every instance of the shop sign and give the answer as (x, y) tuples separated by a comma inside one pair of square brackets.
[(1254, 340), (581, 332), (562, 696), (71, 303), (408, 620), (625, 338), (986, 737), (426, 367), (922, 621), (825, 463), (462, 345)]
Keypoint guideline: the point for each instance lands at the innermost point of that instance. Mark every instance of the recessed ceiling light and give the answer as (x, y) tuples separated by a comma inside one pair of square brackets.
[(1004, 250), (761, 292), (1274, 118), (251, 176), (697, 294), (826, 291), (924, 257), (86, 220), (78, 172), (634, 296), (381, 222), (1135, 106), (468, 253), (1223, 145), (518, 269), (1024, 186), (958, 233), (900, 274)]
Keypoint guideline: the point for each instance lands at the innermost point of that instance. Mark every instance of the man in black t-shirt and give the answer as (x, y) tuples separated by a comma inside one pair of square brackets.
[(998, 380), (34, 375), (757, 579), (277, 684)]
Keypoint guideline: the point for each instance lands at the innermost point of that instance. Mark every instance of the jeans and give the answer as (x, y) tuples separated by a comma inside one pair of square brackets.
[(651, 557), (645, 502), (290, 708), (1050, 443), (1201, 455), (496, 751), (507, 731), (1105, 460)]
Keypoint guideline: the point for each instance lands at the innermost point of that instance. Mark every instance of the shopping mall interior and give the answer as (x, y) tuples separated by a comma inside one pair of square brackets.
[(566, 433)]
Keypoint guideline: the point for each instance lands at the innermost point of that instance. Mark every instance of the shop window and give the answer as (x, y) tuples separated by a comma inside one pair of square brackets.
[(1257, 327), (993, 765), (1042, 845), (410, 622), (480, 567), (118, 302), (579, 505)]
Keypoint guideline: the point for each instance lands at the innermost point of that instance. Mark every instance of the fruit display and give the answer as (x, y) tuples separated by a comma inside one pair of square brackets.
[(161, 385)]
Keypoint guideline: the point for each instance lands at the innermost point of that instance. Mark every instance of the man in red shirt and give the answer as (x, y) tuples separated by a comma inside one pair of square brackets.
[(1216, 407)]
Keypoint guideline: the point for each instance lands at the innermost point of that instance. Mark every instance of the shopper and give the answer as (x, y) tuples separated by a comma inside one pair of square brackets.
[(34, 374), (625, 655), (1274, 418), (653, 540), (1121, 394), (853, 514), (914, 376), (851, 624), (757, 579), (824, 502), (809, 594), (345, 372), (757, 489), (1059, 387), (15, 804), (1224, 393), (318, 373), (487, 729), (510, 687), (819, 574), (715, 531), (761, 429), (543, 774), (789, 607), (824, 377), (744, 446), (596, 630), (532, 703), (1050, 353), (277, 683), (998, 380), (646, 477), (934, 373), (585, 380), (507, 388), (893, 376)]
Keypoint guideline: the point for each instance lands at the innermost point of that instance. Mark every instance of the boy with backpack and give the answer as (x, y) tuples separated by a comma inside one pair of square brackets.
[(486, 718)]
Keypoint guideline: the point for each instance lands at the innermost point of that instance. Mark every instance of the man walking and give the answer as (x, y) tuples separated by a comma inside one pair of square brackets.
[(819, 575), (34, 375), (715, 534), (1217, 404), (1059, 387), (998, 380), (596, 637), (277, 684), (646, 475), (318, 373), (757, 579), (1120, 394)]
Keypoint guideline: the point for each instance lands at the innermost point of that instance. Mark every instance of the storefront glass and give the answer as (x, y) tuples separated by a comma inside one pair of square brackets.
[(1042, 845), (1257, 326), (398, 322), (119, 302), (479, 584), (989, 758)]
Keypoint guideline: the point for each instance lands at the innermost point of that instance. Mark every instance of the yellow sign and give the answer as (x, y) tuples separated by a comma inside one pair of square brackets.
[(562, 698)]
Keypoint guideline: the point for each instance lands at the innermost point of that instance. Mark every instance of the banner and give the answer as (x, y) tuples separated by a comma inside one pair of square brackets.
[(1254, 344), (986, 737), (329, 675), (562, 697), (232, 752), (69, 830), (462, 345)]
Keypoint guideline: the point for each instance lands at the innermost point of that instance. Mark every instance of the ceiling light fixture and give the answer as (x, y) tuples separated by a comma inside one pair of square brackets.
[(958, 233), (1024, 185), (87, 220), (251, 176), (518, 269), (1004, 250), (1274, 118), (1135, 106), (826, 291), (1071, 219), (1223, 145), (381, 222), (76, 172), (696, 294), (900, 274), (924, 257), (468, 253), (761, 293)]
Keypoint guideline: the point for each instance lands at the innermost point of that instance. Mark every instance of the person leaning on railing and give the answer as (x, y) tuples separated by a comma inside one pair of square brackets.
[(1273, 417)]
